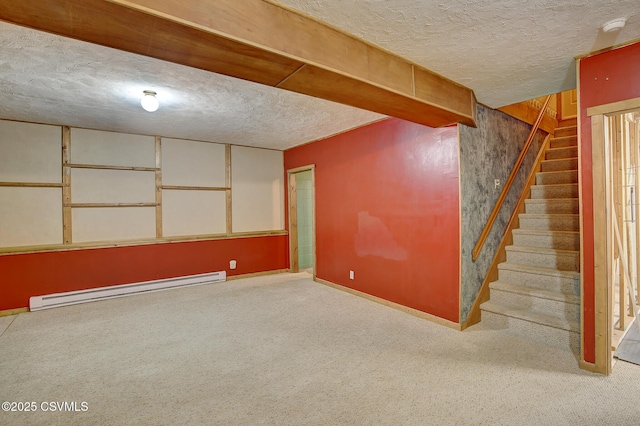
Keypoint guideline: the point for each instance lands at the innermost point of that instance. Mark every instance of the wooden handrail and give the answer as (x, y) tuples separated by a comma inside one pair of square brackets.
[(507, 239), (507, 186)]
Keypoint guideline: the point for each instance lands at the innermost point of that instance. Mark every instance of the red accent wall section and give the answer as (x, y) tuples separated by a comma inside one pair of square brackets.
[(605, 78), (26, 275), (388, 208)]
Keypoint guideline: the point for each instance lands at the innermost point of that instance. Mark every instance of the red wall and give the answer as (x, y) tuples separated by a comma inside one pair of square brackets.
[(388, 208), (26, 275), (605, 78)]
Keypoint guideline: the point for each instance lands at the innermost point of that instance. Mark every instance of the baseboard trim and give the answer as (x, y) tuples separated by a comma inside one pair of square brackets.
[(397, 306), (256, 274), (15, 311), (587, 366)]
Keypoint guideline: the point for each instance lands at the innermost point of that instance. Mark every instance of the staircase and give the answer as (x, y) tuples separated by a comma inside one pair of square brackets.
[(537, 293)]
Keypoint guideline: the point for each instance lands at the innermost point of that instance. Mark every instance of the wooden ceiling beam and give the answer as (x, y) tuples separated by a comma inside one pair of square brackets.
[(258, 41)]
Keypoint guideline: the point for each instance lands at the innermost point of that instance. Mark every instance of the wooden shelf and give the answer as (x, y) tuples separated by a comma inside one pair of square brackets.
[(194, 188), (127, 243), (99, 167), (31, 185), (99, 205)]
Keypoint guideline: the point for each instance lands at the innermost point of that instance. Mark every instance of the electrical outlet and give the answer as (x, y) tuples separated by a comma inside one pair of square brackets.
[(351, 275), (232, 264), (496, 184)]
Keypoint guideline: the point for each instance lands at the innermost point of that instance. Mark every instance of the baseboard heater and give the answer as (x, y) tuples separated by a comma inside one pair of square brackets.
[(101, 293)]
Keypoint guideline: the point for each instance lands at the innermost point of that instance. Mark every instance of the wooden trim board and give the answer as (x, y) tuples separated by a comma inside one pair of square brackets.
[(67, 230), (256, 274), (293, 223), (15, 311), (228, 194), (293, 216), (127, 243), (615, 107), (194, 188), (103, 167), (580, 212), (527, 113), (261, 42), (31, 185), (405, 309), (100, 205), (587, 366), (158, 187), (602, 266)]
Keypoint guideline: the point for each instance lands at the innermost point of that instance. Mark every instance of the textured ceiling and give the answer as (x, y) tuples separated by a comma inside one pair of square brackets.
[(50, 79), (505, 50)]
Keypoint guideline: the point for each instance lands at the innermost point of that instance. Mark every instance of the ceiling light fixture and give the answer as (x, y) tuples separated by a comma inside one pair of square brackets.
[(149, 101), (614, 25)]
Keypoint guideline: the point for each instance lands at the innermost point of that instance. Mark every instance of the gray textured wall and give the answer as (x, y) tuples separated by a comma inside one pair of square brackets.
[(488, 152)]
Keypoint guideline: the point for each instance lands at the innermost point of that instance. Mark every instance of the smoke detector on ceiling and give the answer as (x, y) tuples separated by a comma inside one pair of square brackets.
[(614, 25)]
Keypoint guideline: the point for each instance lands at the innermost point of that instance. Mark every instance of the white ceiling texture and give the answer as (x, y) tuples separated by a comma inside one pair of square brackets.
[(507, 51)]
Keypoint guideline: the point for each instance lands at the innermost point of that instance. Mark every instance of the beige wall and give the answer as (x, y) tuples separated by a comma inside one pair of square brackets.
[(108, 169)]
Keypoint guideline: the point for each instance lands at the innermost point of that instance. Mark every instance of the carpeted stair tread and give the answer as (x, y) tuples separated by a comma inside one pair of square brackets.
[(551, 206), (563, 141), (557, 177), (565, 260), (550, 221), (536, 292), (561, 240), (568, 122), (543, 232), (539, 250), (558, 190), (548, 214), (559, 164), (566, 131), (540, 277), (558, 153), (532, 316), (538, 270)]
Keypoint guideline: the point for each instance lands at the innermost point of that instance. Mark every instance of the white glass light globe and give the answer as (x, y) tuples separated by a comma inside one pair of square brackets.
[(149, 101)]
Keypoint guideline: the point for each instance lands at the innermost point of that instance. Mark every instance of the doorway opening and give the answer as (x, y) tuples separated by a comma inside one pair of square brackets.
[(616, 181), (301, 194)]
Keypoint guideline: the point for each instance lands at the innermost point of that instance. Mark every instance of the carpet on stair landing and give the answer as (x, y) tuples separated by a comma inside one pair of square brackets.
[(629, 349)]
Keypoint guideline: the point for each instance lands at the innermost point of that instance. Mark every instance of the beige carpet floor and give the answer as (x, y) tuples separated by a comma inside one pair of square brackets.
[(284, 350)]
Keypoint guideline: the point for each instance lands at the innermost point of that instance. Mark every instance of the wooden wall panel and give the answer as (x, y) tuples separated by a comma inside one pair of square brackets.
[(30, 152), (258, 189), (191, 163), (30, 216), (193, 213), (112, 149), (112, 224), (112, 186)]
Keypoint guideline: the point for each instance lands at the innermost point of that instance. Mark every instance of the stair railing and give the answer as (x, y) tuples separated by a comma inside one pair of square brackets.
[(507, 186)]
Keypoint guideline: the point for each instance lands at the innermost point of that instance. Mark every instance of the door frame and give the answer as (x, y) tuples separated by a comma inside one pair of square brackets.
[(293, 216), (602, 232)]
